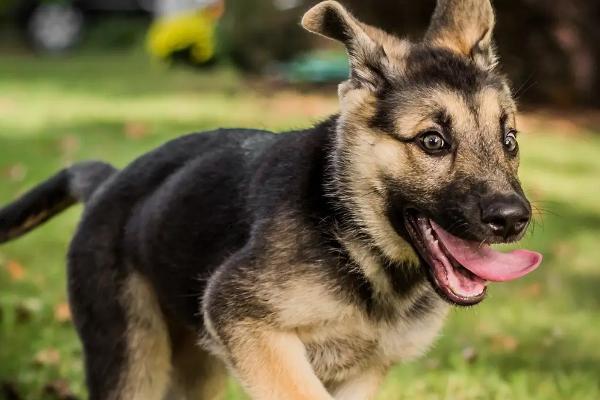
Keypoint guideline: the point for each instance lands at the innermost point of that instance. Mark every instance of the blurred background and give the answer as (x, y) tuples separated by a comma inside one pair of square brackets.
[(111, 79)]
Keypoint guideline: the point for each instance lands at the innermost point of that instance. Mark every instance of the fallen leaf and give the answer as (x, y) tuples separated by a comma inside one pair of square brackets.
[(15, 172), (135, 129), (532, 291), (505, 343), (16, 271), (45, 357), (470, 354), (62, 312), (69, 144), (22, 313), (59, 389), (26, 308)]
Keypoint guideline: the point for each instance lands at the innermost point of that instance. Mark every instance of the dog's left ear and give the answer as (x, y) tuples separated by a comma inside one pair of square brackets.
[(465, 27), (365, 44)]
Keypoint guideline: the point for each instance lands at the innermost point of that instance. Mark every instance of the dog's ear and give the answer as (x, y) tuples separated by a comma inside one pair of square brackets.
[(364, 43), (465, 27)]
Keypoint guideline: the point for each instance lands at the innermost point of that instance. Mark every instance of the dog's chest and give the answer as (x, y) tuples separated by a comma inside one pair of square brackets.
[(345, 348)]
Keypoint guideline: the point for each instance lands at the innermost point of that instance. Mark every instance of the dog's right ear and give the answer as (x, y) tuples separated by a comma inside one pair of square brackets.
[(465, 27), (332, 20)]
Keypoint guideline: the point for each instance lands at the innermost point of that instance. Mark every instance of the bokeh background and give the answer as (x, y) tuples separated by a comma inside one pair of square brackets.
[(111, 79)]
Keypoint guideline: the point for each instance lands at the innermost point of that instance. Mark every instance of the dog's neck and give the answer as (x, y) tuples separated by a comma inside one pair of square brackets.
[(385, 259)]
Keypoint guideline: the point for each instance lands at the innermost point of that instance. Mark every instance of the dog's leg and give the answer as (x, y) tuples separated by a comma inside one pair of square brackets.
[(271, 365), (363, 387), (244, 318), (197, 374), (148, 366), (125, 341)]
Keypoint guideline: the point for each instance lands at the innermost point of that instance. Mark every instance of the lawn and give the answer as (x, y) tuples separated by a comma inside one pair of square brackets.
[(535, 339)]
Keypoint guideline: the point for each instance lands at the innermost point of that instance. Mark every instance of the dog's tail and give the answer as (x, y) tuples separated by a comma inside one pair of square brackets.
[(71, 185)]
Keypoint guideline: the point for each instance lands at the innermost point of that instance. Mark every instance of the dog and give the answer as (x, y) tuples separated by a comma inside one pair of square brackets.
[(305, 264)]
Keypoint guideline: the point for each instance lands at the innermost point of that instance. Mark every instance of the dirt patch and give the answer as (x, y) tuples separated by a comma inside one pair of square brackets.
[(568, 122)]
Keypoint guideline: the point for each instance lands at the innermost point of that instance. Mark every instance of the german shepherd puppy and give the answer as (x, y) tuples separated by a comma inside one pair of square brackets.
[(305, 263)]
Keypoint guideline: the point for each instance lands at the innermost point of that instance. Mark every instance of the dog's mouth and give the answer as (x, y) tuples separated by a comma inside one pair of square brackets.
[(460, 269)]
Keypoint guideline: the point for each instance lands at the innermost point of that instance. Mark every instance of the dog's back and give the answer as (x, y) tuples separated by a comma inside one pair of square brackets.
[(176, 213)]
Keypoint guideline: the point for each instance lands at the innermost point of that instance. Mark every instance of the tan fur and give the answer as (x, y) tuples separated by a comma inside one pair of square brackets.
[(273, 366), (148, 350), (36, 219), (370, 266), (321, 318), (315, 352), (303, 302), (33, 220), (371, 153), (402, 341), (321, 337), (354, 344), (342, 342), (29, 223), (362, 387), (415, 115)]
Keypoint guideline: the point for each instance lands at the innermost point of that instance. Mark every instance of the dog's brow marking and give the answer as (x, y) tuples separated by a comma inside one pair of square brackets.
[(489, 109), (492, 118), (409, 123)]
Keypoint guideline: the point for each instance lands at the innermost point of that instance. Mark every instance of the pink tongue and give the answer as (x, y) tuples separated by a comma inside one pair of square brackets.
[(487, 263)]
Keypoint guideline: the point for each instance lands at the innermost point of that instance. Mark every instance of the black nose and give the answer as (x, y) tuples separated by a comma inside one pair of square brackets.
[(506, 215)]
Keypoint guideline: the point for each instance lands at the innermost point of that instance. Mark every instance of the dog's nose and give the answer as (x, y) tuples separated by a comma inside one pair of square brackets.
[(506, 215)]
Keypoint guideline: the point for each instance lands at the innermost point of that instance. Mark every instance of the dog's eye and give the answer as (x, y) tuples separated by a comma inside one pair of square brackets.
[(433, 142), (510, 141)]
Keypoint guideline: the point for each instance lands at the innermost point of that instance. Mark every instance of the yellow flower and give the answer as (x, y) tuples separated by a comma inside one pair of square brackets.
[(194, 31)]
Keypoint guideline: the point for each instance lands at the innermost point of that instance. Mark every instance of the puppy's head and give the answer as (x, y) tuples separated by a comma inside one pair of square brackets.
[(426, 151)]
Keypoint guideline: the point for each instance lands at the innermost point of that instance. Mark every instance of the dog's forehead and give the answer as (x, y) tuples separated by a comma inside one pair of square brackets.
[(435, 81), (426, 65), (421, 108)]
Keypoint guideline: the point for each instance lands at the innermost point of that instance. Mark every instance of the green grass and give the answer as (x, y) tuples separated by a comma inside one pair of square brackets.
[(534, 339)]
